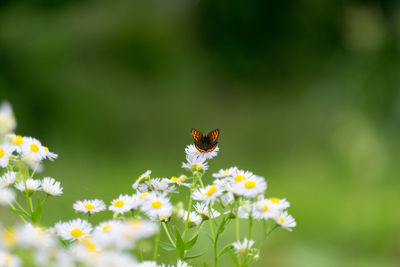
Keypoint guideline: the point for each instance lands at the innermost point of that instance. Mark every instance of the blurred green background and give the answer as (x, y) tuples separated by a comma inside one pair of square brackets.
[(306, 93)]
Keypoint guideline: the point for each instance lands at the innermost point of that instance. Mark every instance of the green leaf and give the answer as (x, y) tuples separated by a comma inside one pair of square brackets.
[(19, 212), (37, 213), (234, 258), (205, 265), (222, 227), (191, 243), (166, 246), (180, 246), (225, 250), (194, 256)]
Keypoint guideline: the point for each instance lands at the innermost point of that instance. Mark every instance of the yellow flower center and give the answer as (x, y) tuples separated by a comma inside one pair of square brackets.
[(76, 232), (174, 179), (119, 203), (17, 140), (250, 184), (46, 149), (9, 236), (7, 259), (265, 208), (274, 199), (226, 171), (89, 206), (211, 191), (2, 152), (143, 195), (156, 204), (239, 178), (281, 220), (106, 228), (34, 148), (91, 246)]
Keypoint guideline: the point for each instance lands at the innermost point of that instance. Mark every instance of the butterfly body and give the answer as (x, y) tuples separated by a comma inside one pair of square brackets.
[(205, 143)]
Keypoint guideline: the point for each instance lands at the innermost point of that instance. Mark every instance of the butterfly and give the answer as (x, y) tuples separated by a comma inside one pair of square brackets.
[(205, 143)]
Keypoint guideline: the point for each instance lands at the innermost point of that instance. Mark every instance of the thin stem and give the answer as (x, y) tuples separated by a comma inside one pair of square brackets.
[(189, 208), (19, 206), (139, 248), (237, 223), (250, 226), (270, 231), (167, 232), (156, 241), (20, 216)]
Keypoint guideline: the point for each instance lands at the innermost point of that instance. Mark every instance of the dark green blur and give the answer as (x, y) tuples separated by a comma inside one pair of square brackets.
[(306, 93)]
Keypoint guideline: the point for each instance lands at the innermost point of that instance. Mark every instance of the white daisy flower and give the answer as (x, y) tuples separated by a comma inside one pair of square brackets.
[(144, 176), (207, 194), (8, 236), (34, 236), (285, 221), (51, 186), (7, 179), (242, 247), (9, 260), (157, 207), (89, 206), (32, 185), (15, 142), (7, 196), (178, 180), (206, 212), (5, 152), (182, 264), (32, 149), (74, 229), (48, 154), (161, 185), (194, 218), (107, 226), (280, 203), (251, 187), (148, 264), (192, 152), (121, 204), (244, 209), (226, 172), (195, 164), (264, 209), (115, 258), (240, 175), (8, 123)]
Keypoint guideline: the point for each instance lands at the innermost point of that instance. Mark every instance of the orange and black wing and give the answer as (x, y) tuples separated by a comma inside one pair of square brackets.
[(206, 150), (213, 136), (197, 135)]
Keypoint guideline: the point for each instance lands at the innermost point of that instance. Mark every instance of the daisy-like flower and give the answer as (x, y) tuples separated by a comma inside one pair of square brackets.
[(7, 196), (177, 180), (51, 186), (121, 204), (280, 203), (192, 152), (207, 194), (242, 247), (32, 186), (5, 152), (251, 187), (206, 212), (115, 258), (89, 206), (157, 207), (144, 176), (264, 209), (73, 230), (194, 218), (161, 185), (244, 209), (8, 237), (48, 154), (15, 142), (107, 226), (182, 264), (34, 236), (195, 164), (7, 179), (285, 221), (32, 149), (8, 122), (240, 175), (222, 173), (9, 260)]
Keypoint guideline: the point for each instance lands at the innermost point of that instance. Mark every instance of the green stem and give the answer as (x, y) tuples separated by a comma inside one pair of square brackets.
[(20, 216), (167, 232), (156, 241), (139, 248), (250, 226), (189, 208)]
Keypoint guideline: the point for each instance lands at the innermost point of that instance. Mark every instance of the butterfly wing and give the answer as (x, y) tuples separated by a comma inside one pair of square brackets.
[(207, 148), (197, 135), (213, 136)]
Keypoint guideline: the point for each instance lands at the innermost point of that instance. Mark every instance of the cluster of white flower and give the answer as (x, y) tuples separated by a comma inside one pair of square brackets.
[(233, 194)]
